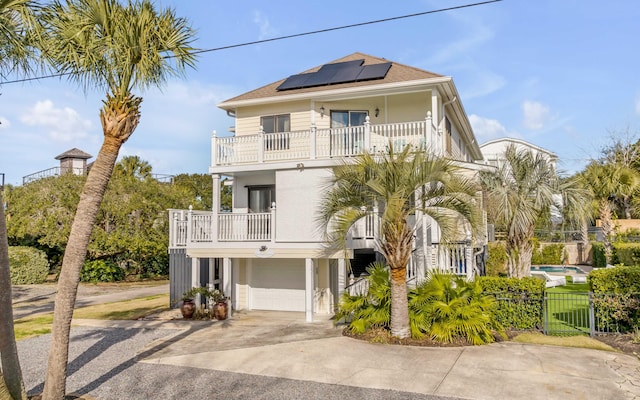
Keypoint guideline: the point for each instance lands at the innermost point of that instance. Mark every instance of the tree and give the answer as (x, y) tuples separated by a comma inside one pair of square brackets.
[(520, 192), (117, 48), (133, 167), (17, 29), (399, 184), (608, 182)]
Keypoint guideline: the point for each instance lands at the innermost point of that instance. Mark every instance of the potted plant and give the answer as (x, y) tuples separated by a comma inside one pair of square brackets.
[(220, 305), (188, 307), (217, 302)]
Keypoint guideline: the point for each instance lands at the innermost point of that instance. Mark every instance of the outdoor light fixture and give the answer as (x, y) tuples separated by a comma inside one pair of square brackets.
[(263, 248), (321, 111), (377, 112)]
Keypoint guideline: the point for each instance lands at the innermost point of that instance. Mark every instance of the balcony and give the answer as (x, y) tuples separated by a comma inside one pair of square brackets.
[(323, 143)]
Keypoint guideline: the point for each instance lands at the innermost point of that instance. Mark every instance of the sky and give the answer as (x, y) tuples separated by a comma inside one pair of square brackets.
[(559, 74)]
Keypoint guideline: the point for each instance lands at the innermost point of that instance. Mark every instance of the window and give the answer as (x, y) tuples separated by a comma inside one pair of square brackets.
[(261, 198), (340, 119), (344, 141), (276, 129)]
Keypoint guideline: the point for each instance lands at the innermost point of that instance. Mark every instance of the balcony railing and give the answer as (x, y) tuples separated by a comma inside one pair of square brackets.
[(55, 171), (324, 143)]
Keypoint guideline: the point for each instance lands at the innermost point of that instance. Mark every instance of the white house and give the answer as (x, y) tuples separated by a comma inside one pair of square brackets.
[(268, 253), (493, 151)]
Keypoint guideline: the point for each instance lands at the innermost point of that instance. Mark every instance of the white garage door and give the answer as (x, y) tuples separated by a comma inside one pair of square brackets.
[(277, 285)]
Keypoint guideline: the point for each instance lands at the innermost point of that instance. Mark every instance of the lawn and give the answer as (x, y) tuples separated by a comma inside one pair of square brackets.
[(122, 310), (567, 310)]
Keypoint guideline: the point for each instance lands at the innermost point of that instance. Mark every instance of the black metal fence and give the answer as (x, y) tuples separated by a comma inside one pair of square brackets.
[(567, 314)]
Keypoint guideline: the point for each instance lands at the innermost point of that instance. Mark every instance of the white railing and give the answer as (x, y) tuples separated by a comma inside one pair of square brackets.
[(365, 228), (456, 258), (191, 228), (235, 227), (324, 143)]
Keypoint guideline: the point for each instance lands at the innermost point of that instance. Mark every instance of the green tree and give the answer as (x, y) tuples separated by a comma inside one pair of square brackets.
[(17, 31), (199, 188), (117, 48), (399, 184), (133, 167), (520, 192)]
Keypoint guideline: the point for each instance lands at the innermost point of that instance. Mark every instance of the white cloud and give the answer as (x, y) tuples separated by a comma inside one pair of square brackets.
[(536, 115), (4, 123), (62, 124), (266, 30), (487, 129)]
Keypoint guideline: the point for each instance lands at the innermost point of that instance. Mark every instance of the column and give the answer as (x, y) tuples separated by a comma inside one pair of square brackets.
[(214, 149), (215, 206), (195, 278), (367, 134), (227, 279), (309, 289), (342, 277)]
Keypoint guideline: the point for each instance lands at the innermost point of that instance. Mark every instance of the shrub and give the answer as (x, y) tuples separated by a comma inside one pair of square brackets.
[(101, 271), (548, 254), (28, 265), (520, 301), (597, 255), (626, 254), (497, 260), (616, 297)]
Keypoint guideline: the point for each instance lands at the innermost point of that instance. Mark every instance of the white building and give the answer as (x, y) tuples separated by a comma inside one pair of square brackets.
[(268, 253), (493, 151)]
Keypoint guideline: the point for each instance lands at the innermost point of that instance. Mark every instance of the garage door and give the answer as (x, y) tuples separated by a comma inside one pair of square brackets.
[(277, 285)]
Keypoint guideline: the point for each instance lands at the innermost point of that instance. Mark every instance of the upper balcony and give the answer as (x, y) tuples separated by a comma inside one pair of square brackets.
[(315, 144)]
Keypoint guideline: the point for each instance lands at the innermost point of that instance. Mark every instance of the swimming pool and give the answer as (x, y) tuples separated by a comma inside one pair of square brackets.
[(557, 268)]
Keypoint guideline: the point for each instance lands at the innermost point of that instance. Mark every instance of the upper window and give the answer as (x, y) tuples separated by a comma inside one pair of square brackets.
[(273, 124)]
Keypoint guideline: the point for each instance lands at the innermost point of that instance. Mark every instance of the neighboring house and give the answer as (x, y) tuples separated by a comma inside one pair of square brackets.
[(269, 253), (493, 151), (71, 161)]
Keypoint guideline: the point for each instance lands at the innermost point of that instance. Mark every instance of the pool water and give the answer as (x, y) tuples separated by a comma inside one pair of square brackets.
[(557, 268)]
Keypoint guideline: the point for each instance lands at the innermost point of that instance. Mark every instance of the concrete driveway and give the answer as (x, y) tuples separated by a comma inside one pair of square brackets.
[(282, 345)]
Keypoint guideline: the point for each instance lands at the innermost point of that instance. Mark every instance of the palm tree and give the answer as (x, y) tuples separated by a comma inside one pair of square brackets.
[(608, 182), (399, 185), (520, 191), (133, 167), (17, 24), (117, 48)]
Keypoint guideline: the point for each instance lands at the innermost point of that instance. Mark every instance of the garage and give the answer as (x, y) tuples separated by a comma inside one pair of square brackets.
[(277, 284)]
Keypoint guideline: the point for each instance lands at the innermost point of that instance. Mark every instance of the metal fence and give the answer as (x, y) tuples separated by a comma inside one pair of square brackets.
[(568, 314)]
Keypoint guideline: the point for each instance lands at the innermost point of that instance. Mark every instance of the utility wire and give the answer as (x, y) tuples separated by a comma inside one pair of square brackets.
[(232, 46)]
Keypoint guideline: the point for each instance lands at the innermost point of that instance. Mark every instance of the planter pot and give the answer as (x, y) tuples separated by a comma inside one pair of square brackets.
[(187, 309), (220, 310)]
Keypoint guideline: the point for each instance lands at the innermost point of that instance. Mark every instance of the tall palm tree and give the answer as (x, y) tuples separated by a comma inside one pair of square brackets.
[(520, 191), (117, 48), (133, 167), (399, 184), (17, 25)]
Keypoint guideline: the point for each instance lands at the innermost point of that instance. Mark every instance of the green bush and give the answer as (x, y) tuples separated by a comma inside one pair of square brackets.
[(616, 297), (101, 271), (497, 260), (28, 265), (597, 255), (626, 254), (548, 254), (519, 301)]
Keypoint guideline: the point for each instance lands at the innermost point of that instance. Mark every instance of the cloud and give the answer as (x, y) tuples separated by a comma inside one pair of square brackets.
[(536, 115), (266, 30), (487, 129), (4, 123), (62, 124)]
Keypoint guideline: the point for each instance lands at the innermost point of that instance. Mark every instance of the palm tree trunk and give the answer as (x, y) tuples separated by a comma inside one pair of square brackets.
[(399, 303), (519, 256), (74, 256), (11, 374)]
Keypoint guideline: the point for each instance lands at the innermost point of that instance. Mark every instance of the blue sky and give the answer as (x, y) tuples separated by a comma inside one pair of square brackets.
[(560, 74)]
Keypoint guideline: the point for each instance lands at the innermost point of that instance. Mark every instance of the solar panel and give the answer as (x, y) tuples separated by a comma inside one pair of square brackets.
[(294, 82), (342, 72), (375, 71)]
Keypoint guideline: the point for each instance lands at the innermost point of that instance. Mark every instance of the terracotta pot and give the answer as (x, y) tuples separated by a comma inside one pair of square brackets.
[(188, 308), (220, 310)]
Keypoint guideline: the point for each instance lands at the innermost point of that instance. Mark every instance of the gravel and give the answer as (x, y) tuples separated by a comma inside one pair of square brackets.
[(103, 364)]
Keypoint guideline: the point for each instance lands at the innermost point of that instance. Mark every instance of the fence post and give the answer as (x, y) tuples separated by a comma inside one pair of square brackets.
[(273, 222), (367, 134), (313, 142), (592, 315), (545, 314), (189, 225)]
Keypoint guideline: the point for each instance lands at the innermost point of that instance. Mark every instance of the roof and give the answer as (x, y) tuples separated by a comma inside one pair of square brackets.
[(397, 73), (74, 153), (520, 142)]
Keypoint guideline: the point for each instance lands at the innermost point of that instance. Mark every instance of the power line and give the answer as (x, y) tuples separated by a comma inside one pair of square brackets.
[(232, 46)]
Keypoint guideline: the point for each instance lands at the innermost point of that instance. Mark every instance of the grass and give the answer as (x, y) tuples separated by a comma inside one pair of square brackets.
[(570, 288), (565, 341), (122, 310)]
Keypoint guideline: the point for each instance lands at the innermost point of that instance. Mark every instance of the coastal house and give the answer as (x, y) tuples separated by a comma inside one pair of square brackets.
[(268, 253)]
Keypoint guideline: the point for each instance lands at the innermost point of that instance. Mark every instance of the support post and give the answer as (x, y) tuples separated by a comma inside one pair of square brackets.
[(227, 280), (309, 289), (429, 140), (261, 144), (367, 134), (189, 225), (313, 142), (342, 277), (272, 226), (195, 278), (215, 207), (214, 149)]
